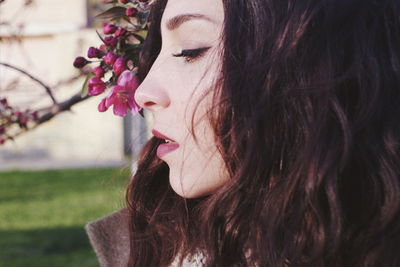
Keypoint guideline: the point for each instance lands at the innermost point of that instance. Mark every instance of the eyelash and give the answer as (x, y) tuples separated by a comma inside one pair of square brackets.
[(191, 55)]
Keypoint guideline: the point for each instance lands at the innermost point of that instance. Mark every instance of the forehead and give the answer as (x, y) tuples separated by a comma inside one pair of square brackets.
[(210, 8)]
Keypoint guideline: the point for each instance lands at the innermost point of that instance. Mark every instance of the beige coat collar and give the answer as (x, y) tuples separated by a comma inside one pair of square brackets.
[(109, 237)]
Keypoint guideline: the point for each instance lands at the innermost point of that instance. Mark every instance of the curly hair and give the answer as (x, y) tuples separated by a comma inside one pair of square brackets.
[(307, 120)]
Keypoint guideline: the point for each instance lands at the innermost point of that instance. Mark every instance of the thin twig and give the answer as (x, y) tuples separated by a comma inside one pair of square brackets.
[(48, 89), (63, 106), (52, 112)]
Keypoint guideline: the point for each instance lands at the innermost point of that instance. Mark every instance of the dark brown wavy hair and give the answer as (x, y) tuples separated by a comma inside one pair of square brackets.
[(307, 120)]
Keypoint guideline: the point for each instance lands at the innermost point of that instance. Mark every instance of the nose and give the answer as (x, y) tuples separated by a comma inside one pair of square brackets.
[(151, 95)]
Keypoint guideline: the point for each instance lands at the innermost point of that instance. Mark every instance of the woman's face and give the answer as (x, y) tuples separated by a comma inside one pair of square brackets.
[(183, 73)]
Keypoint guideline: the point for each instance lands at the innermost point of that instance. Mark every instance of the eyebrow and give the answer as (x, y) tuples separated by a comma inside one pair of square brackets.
[(177, 21)]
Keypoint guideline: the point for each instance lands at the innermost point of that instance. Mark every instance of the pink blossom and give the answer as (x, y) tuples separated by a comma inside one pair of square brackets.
[(80, 62), (94, 53), (102, 105), (96, 86), (131, 12), (4, 102), (119, 65), (110, 41), (23, 119), (122, 95), (99, 72), (34, 115), (109, 28), (103, 48), (120, 32), (110, 58), (125, 1)]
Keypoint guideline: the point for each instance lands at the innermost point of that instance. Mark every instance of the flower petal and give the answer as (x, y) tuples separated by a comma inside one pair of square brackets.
[(96, 90), (133, 105), (118, 88), (128, 80), (120, 108), (110, 100), (102, 105)]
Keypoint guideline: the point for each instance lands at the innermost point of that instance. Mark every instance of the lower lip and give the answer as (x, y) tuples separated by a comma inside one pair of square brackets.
[(166, 148)]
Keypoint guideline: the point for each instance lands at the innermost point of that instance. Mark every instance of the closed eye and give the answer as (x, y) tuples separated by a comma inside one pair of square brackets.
[(191, 55)]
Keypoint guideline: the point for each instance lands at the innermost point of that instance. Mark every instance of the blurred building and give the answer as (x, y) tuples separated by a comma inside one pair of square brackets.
[(43, 38)]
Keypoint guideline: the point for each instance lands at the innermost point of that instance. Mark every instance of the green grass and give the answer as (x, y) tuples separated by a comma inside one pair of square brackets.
[(42, 214)]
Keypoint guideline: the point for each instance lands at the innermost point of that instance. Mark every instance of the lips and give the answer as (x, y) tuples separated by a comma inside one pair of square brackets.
[(161, 136), (164, 148)]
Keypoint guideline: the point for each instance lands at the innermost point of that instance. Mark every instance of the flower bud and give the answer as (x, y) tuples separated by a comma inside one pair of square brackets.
[(120, 32), (4, 102), (109, 28), (99, 72), (95, 53), (23, 120), (2, 141), (103, 48), (35, 115), (110, 41), (102, 105), (80, 62), (96, 86), (119, 65), (110, 58), (131, 12), (124, 1)]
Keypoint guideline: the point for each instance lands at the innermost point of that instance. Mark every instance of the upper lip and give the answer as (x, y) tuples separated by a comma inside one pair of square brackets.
[(161, 136)]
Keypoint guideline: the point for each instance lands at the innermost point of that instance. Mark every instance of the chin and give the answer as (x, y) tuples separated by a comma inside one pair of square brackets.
[(187, 191), (194, 184)]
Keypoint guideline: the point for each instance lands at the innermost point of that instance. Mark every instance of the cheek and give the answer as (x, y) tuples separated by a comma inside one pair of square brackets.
[(202, 169), (198, 103), (199, 175)]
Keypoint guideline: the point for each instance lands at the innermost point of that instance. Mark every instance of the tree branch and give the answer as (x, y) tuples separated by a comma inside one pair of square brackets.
[(52, 112), (63, 106), (48, 89)]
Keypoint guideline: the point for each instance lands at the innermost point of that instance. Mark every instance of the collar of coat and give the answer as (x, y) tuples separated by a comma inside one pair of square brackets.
[(109, 237)]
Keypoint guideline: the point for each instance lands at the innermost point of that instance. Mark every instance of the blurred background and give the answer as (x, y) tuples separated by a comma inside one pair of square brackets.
[(73, 168)]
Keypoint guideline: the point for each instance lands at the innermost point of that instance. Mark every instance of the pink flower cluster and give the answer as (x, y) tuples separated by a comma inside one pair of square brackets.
[(117, 56), (122, 95), (10, 116)]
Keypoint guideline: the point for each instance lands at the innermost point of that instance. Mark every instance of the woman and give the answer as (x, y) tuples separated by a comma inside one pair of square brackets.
[(282, 121)]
